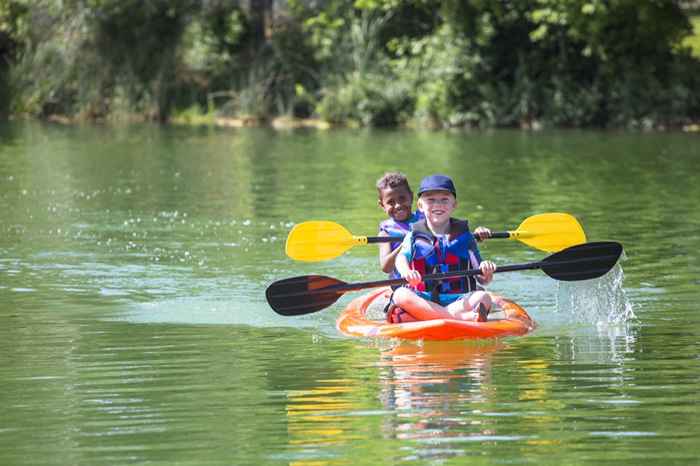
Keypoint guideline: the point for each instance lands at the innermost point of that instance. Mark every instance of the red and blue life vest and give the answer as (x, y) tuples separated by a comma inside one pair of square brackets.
[(435, 254)]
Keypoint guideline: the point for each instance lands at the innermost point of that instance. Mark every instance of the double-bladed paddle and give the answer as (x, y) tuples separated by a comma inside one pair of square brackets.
[(311, 293), (323, 240)]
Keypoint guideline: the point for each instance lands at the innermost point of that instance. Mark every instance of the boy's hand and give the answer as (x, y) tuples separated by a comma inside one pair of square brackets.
[(487, 269), (482, 233), (413, 277)]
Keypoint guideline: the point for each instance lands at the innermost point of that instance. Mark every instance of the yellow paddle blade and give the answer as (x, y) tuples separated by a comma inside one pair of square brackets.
[(320, 241), (550, 232)]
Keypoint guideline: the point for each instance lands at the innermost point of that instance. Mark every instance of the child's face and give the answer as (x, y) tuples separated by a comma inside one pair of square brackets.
[(437, 206), (396, 202)]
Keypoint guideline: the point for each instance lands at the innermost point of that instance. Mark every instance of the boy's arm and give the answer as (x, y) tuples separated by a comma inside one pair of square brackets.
[(487, 267), (387, 257), (402, 265)]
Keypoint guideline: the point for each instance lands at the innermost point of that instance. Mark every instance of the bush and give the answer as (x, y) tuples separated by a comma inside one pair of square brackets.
[(368, 100)]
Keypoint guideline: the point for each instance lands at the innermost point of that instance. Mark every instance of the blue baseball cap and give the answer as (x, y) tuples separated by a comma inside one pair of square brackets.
[(437, 183)]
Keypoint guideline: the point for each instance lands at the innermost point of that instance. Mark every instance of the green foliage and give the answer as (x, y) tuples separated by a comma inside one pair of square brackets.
[(621, 63), (13, 34), (368, 100), (13, 26), (693, 41), (146, 72), (440, 68), (275, 81), (575, 62), (55, 47)]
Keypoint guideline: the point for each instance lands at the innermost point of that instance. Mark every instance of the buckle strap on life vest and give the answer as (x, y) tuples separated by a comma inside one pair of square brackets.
[(424, 264)]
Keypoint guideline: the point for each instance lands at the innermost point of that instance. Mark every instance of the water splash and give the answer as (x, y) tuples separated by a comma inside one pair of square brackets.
[(603, 301)]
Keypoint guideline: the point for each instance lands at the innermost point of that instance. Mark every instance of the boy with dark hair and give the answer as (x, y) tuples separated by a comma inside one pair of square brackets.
[(396, 199)]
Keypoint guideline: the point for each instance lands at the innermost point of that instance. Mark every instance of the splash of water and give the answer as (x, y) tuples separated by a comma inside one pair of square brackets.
[(603, 301)]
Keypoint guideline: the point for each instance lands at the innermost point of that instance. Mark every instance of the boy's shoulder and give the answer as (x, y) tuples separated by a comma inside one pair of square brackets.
[(459, 227)]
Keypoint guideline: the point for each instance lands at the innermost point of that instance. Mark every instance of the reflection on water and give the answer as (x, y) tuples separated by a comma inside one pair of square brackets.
[(433, 388), (412, 370), (431, 391)]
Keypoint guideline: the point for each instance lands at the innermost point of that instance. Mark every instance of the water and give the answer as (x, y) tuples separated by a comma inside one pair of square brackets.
[(134, 328)]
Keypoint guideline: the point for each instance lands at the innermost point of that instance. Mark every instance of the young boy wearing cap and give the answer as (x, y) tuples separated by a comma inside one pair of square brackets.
[(440, 243)]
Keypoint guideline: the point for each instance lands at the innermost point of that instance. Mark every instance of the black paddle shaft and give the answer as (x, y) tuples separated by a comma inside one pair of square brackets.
[(311, 293), (580, 262), (436, 276), (384, 239)]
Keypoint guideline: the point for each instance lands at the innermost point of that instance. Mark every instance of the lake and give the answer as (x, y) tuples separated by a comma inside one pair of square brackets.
[(134, 327)]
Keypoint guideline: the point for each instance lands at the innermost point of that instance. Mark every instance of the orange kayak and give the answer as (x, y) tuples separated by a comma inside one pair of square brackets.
[(358, 319)]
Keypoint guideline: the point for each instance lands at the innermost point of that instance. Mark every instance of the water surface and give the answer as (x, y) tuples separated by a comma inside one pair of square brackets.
[(134, 328)]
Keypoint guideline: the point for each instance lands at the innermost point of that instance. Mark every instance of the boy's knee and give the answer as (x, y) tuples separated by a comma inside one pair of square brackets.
[(480, 297), (401, 295)]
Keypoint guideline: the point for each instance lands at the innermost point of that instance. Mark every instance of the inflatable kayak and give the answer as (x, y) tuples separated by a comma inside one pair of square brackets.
[(364, 317)]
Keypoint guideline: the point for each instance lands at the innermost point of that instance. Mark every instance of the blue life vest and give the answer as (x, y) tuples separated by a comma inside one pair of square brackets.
[(455, 251)]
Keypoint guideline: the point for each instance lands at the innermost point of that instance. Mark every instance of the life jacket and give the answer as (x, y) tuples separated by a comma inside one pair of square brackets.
[(398, 229), (456, 251)]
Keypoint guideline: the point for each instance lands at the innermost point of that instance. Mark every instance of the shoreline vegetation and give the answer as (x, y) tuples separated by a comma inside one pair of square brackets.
[(290, 123), (620, 64), (206, 120)]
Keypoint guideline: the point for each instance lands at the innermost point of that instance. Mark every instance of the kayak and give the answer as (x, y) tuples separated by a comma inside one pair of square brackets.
[(364, 317)]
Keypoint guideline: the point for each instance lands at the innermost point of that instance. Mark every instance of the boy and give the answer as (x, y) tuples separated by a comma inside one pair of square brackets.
[(396, 199), (439, 243)]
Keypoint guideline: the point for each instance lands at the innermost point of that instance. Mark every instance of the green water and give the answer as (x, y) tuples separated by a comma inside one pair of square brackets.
[(134, 328)]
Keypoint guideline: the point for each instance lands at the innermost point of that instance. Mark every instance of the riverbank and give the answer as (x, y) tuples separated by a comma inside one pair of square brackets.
[(287, 123), (315, 123), (251, 122)]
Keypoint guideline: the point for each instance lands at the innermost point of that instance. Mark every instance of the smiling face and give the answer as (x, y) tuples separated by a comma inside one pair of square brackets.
[(396, 202), (437, 206)]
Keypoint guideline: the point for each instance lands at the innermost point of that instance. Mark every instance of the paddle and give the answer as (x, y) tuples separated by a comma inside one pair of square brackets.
[(323, 240), (311, 293)]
